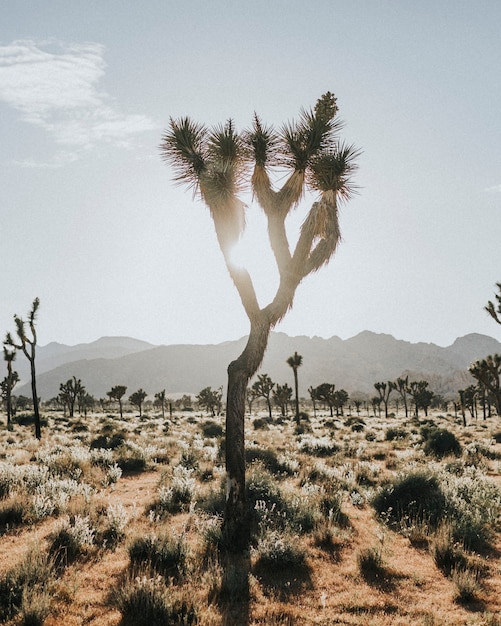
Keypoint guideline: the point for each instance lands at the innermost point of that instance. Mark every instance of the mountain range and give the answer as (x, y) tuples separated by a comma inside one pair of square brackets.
[(353, 364)]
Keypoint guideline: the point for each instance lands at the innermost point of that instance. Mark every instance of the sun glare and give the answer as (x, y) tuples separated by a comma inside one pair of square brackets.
[(253, 253)]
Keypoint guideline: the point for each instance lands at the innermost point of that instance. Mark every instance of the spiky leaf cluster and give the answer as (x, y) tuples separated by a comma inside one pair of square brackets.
[(331, 170), (184, 146), (263, 143)]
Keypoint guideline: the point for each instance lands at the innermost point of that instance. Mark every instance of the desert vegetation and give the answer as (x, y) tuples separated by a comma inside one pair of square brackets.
[(355, 518)]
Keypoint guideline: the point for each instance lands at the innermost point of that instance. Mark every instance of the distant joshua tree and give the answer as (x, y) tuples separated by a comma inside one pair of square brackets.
[(117, 393), (137, 399), (69, 392), (8, 383), (282, 395), (217, 163), (295, 361), (28, 347), (384, 390), (160, 401), (487, 372), (313, 396), (263, 388)]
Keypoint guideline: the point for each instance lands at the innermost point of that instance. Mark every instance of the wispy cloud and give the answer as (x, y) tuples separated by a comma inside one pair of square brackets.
[(495, 189), (56, 86)]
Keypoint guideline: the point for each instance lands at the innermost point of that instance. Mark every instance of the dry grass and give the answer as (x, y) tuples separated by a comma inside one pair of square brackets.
[(329, 566)]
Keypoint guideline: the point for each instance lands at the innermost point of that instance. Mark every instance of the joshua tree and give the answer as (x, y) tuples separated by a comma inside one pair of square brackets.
[(295, 361), (282, 395), (421, 395), (495, 310), (487, 372), (313, 396), (28, 346), (341, 397), (160, 400), (9, 382), (210, 399), (117, 393), (326, 393), (250, 396), (401, 385), (263, 388), (384, 390), (69, 392), (216, 163), (137, 399)]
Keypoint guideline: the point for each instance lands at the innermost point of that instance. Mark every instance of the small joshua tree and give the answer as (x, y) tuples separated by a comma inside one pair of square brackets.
[(28, 346), (8, 383), (295, 361), (117, 393)]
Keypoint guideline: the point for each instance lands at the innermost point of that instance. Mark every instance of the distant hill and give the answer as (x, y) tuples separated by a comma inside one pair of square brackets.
[(354, 364), (55, 354)]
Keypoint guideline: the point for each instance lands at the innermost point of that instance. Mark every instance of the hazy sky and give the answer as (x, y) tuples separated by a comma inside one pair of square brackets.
[(91, 223)]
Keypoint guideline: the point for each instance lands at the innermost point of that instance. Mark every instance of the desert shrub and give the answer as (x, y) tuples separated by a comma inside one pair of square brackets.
[(277, 551), (317, 446), (266, 456), (302, 427), (211, 429), (165, 555), (72, 540), (466, 585), (116, 521), (262, 486), (446, 552), (28, 419), (12, 513), (132, 457), (261, 423), (179, 494), (395, 433), (330, 505), (35, 606), (417, 497), (497, 436), (7, 479), (35, 573), (213, 501), (440, 442), (144, 601), (108, 440), (473, 506), (371, 565), (356, 424), (190, 458), (79, 427)]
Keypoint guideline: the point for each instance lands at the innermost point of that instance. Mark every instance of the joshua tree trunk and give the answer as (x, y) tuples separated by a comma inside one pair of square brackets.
[(236, 519), (38, 429), (296, 390)]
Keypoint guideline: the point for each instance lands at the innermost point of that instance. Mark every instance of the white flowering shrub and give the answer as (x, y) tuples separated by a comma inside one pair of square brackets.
[(181, 491), (317, 446)]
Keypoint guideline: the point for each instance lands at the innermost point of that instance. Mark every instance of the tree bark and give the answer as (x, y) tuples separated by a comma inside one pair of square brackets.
[(236, 520), (296, 389)]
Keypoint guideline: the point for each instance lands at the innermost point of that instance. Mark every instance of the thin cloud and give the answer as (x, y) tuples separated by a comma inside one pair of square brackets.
[(56, 86), (495, 189)]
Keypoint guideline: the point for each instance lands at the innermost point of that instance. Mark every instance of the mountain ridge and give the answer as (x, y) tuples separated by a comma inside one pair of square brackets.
[(354, 364)]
